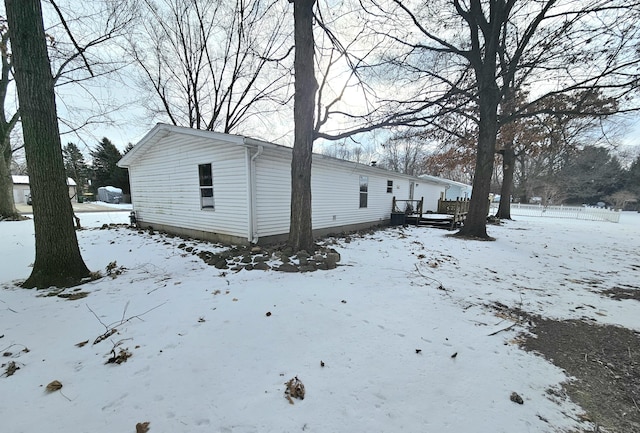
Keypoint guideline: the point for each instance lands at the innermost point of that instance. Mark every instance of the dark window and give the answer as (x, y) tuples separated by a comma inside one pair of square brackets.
[(389, 186), (364, 190), (205, 173)]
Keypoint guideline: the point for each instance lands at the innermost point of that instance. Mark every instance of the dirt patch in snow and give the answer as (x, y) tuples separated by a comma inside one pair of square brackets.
[(605, 362), (625, 292)]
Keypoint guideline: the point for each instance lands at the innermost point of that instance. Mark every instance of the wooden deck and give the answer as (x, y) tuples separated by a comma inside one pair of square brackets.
[(450, 215)]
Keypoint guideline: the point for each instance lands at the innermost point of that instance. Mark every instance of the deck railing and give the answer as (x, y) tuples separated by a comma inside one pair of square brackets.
[(407, 207), (410, 208), (453, 207)]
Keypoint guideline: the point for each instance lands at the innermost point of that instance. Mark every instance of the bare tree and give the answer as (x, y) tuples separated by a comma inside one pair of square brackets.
[(404, 154), (213, 64), (572, 118), (58, 261), (80, 65), (499, 46), (8, 209), (306, 86)]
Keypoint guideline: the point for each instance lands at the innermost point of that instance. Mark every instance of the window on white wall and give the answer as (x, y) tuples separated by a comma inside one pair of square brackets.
[(205, 173), (364, 190), (389, 186)]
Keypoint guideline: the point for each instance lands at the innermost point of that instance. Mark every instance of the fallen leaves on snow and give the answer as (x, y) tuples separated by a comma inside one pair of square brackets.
[(295, 389), (142, 427), (54, 386)]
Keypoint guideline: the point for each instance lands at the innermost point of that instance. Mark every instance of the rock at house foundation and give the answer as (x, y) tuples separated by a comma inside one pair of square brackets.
[(331, 261), (307, 268), (221, 264), (287, 267), (261, 266)]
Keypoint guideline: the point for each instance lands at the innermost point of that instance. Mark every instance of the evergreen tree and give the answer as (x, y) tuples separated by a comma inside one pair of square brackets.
[(105, 169), (590, 175), (75, 166), (632, 178)]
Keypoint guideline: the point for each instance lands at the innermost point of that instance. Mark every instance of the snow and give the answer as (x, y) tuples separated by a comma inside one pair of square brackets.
[(206, 357)]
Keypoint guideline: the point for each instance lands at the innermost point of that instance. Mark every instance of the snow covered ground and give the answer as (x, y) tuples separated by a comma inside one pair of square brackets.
[(397, 338)]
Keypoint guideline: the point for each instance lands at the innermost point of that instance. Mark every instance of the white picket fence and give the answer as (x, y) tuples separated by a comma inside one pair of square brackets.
[(560, 211)]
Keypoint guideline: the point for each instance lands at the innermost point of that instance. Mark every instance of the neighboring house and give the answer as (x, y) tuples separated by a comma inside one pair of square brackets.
[(22, 190), (453, 190), (237, 189)]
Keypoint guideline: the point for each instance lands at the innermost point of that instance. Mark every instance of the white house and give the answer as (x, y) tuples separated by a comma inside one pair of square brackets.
[(22, 188), (236, 189), (453, 190)]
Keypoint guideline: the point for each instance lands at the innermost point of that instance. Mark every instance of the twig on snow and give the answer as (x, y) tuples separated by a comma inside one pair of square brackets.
[(503, 329), (96, 316), (111, 328), (440, 285), (137, 316)]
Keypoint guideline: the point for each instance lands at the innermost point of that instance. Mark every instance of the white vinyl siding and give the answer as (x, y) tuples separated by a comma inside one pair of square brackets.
[(165, 185), (273, 193), (336, 195)]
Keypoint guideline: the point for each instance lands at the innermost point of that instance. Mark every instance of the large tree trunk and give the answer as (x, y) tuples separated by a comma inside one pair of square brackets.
[(475, 226), (508, 166), (58, 261), (300, 229), (8, 209), (523, 184)]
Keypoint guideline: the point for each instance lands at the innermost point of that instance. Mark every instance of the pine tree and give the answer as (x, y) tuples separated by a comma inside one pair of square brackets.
[(75, 166), (105, 169)]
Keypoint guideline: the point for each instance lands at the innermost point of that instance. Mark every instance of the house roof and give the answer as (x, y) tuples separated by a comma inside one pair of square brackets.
[(445, 181), (161, 131), (24, 180)]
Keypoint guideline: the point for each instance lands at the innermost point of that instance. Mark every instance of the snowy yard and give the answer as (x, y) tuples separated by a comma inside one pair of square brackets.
[(401, 336)]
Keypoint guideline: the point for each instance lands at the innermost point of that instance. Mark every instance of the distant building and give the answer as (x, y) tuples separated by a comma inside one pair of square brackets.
[(22, 189)]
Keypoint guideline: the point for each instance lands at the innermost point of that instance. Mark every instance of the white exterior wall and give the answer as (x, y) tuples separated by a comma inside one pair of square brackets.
[(20, 193), (273, 193), (431, 194), (457, 192), (165, 185), (336, 196), (335, 193)]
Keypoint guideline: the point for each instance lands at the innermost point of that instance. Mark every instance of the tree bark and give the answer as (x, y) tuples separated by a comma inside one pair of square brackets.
[(8, 209), (300, 229), (508, 167), (475, 226), (57, 260)]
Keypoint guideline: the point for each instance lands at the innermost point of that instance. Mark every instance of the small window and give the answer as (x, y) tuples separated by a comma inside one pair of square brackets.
[(205, 173), (389, 186), (364, 190)]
